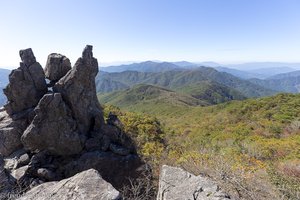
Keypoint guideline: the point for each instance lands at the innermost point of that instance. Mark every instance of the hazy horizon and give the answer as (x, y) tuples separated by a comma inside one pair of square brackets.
[(294, 65), (228, 32)]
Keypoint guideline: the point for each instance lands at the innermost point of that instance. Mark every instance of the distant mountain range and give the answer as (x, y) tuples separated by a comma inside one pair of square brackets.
[(109, 82), (266, 78), (287, 82), (220, 84), (259, 70), (148, 66)]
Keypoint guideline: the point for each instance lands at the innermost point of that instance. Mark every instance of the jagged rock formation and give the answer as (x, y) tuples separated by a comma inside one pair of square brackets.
[(53, 128), (78, 89), (50, 132), (57, 66), (85, 185), (26, 86), (177, 184)]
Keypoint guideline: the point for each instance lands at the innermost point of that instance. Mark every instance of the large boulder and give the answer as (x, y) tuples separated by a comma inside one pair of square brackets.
[(10, 133), (53, 128), (57, 66), (115, 169), (87, 185), (78, 89), (26, 84), (177, 184)]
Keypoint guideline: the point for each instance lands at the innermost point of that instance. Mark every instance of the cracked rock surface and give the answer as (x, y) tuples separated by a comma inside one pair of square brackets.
[(53, 128), (87, 185), (178, 184), (27, 84)]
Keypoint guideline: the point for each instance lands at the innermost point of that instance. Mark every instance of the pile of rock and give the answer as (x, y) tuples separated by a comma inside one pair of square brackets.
[(52, 131)]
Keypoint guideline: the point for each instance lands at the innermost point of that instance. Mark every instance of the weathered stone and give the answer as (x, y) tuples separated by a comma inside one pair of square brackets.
[(10, 133), (26, 84), (57, 66), (11, 161), (19, 173), (38, 160), (78, 89), (87, 185), (46, 174), (23, 160), (177, 184), (113, 168), (53, 128), (27, 57), (35, 182)]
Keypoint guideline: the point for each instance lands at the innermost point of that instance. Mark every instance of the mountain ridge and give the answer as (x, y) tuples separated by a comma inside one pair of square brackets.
[(173, 79)]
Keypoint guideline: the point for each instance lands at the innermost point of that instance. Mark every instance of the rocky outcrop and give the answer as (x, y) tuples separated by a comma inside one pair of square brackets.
[(53, 128), (78, 89), (26, 86), (51, 132), (177, 184), (114, 168), (57, 66), (10, 133), (87, 185)]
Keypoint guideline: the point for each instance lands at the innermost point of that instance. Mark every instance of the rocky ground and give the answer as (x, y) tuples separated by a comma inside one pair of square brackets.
[(55, 143)]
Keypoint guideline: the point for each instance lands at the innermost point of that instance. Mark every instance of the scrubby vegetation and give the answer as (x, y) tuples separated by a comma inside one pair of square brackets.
[(210, 91), (251, 147), (146, 131)]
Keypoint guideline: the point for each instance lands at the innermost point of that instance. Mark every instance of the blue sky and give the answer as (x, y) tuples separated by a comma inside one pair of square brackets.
[(225, 31)]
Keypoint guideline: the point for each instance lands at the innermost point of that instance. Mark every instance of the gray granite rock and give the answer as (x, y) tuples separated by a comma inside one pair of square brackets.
[(26, 84), (10, 133), (53, 128), (19, 173), (57, 66), (178, 184), (46, 174), (78, 90), (87, 185)]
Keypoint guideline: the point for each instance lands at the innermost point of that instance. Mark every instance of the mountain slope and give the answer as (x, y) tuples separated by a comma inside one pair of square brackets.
[(255, 140), (285, 84), (144, 96), (210, 91), (179, 78), (285, 75)]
